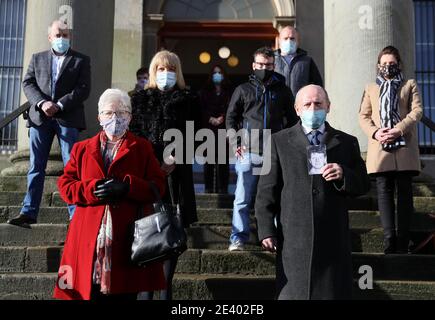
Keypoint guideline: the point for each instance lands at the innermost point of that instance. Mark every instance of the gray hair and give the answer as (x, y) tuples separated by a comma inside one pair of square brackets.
[(112, 96)]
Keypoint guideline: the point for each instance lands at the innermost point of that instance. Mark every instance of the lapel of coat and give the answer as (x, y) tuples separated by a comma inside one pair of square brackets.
[(49, 66), (298, 139), (94, 150), (332, 137), (68, 58)]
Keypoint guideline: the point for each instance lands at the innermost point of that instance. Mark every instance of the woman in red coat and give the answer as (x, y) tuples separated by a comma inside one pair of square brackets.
[(108, 179)]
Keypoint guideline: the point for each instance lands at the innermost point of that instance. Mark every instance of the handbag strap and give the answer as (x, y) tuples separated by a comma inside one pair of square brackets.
[(156, 193), (171, 189)]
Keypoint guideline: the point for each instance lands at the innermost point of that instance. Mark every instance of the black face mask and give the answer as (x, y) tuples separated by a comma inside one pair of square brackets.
[(389, 71), (263, 74)]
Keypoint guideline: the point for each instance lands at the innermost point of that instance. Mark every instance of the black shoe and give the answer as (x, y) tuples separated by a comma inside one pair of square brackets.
[(22, 220), (389, 245), (403, 245)]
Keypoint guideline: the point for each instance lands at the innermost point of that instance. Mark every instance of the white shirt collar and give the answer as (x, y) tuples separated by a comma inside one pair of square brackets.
[(307, 130)]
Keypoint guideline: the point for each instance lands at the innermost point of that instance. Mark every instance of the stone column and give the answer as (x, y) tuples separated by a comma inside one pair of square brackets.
[(355, 32), (152, 24), (92, 34), (127, 43)]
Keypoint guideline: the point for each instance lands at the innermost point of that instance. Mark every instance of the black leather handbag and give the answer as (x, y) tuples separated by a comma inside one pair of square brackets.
[(158, 236)]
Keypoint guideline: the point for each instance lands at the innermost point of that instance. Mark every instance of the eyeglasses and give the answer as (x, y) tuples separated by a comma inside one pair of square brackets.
[(109, 114), (264, 65)]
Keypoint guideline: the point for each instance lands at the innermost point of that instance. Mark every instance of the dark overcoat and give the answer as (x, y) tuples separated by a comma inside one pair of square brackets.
[(314, 248), (154, 112)]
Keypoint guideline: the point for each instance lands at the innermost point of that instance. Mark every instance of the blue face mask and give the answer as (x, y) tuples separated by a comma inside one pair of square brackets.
[(166, 80), (60, 45), (217, 78), (313, 119), (288, 47)]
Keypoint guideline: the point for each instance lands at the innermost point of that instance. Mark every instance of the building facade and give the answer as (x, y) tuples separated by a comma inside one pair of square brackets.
[(343, 37)]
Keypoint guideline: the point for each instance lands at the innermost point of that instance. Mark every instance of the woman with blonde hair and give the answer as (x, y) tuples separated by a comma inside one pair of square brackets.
[(389, 113), (167, 104)]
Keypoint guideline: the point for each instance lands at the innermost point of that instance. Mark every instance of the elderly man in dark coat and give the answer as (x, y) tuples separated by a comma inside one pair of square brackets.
[(311, 235)]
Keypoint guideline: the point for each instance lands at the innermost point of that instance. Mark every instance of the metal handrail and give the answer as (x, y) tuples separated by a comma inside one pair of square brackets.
[(428, 122), (14, 114)]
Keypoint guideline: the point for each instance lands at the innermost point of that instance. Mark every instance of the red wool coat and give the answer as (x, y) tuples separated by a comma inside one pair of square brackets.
[(135, 163)]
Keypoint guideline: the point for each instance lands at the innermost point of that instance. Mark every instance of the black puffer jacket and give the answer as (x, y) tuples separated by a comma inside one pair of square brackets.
[(255, 105), (154, 112)]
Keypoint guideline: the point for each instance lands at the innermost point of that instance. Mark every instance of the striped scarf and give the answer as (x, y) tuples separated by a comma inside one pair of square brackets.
[(389, 107), (103, 260)]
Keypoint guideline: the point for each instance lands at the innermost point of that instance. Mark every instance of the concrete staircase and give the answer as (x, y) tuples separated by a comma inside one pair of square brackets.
[(29, 258)]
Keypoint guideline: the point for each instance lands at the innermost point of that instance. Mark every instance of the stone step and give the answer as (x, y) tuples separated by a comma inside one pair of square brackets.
[(357, 218), (47, 215), (367, 202), (194, 261), (422, 203), (211, 216), (30, 259), (363, 240), (27, 286), (385, 267), (39, 286), (199, 237), (37, 235), (19, 183), (237, 287)]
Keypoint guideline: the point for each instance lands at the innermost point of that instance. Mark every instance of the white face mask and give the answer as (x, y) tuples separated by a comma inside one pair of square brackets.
[(166, 79), (115, 126)]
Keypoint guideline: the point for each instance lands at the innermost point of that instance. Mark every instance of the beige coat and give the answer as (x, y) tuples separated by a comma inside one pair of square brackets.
[(404, 158)]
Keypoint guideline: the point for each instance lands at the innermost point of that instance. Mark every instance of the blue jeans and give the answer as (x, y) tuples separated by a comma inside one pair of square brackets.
[(41, 139), (246, 190)]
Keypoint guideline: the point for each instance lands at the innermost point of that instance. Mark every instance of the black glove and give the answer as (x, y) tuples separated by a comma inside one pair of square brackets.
[(111, 190)]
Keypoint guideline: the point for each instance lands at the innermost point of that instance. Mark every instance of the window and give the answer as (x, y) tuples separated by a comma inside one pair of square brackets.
[(12, 16), (425, 66)]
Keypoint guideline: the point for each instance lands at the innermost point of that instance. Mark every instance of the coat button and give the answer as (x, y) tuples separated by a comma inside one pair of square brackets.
[(315, 191)]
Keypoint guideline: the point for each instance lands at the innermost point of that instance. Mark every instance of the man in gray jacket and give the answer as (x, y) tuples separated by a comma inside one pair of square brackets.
[(293, 63), (56, 85)]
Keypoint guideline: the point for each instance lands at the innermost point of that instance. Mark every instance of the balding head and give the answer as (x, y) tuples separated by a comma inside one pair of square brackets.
[(311, 97), (57, 25), (289, 32)]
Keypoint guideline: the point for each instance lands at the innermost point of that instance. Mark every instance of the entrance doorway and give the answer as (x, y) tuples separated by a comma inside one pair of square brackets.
[(191, 39)]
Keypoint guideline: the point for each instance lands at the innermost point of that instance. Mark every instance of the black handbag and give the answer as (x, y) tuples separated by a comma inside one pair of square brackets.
[(158, 236)]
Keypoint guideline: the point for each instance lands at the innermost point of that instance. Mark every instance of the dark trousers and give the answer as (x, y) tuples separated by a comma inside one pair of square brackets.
[(395, 230), (96, 295), (169, 270), (216, 175), (216, 178)]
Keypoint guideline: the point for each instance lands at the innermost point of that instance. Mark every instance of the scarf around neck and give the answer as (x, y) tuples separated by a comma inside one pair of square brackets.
[(389, 107)]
